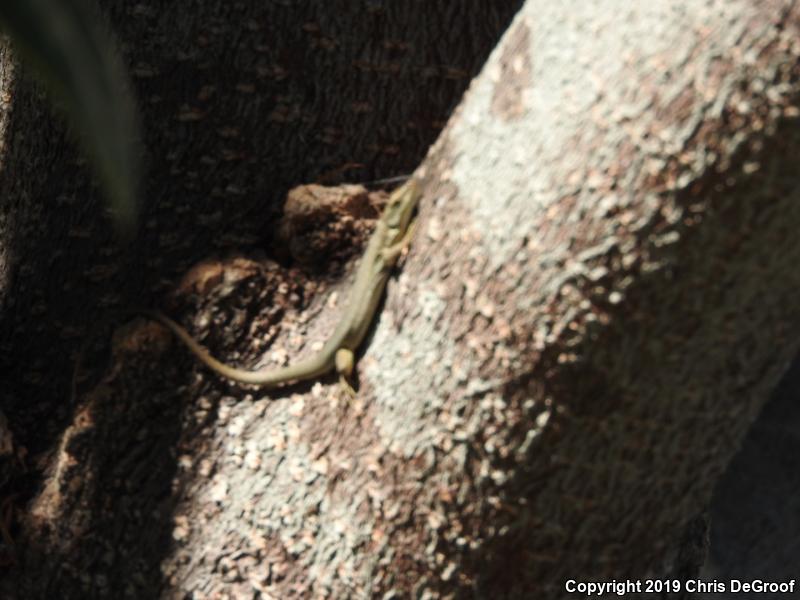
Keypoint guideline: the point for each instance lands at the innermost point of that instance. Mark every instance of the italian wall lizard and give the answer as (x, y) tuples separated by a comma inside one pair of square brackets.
[(392, 233)]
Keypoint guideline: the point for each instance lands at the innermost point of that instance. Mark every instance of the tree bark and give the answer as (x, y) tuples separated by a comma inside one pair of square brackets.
[(599, 298), (238, 104)]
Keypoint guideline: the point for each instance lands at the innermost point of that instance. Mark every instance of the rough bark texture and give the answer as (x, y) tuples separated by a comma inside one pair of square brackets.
[(239, 102), (641, 286), (599, 298)]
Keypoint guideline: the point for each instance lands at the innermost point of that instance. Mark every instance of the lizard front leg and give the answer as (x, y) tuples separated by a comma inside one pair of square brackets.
[(391, 253), (344, 361)]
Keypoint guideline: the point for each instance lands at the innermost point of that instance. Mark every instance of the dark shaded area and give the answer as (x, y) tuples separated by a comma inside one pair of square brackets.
[(755, 512)]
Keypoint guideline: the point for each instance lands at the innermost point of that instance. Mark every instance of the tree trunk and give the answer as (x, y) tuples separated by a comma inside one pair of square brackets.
[(598, 298)]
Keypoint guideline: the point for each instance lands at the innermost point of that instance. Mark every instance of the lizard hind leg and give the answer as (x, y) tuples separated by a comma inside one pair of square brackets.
[(344, 361)]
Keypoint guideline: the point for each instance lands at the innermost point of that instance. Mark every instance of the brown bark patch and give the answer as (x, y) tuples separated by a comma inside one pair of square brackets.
[(508, 100)]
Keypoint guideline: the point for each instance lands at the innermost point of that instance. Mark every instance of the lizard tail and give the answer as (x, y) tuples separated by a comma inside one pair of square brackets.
[(263, 377)]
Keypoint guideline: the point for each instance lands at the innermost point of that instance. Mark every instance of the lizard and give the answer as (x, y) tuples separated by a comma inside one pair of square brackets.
[(392, 234)]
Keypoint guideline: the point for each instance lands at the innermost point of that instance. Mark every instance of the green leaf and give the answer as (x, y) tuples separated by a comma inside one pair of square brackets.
[(64, 41)]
